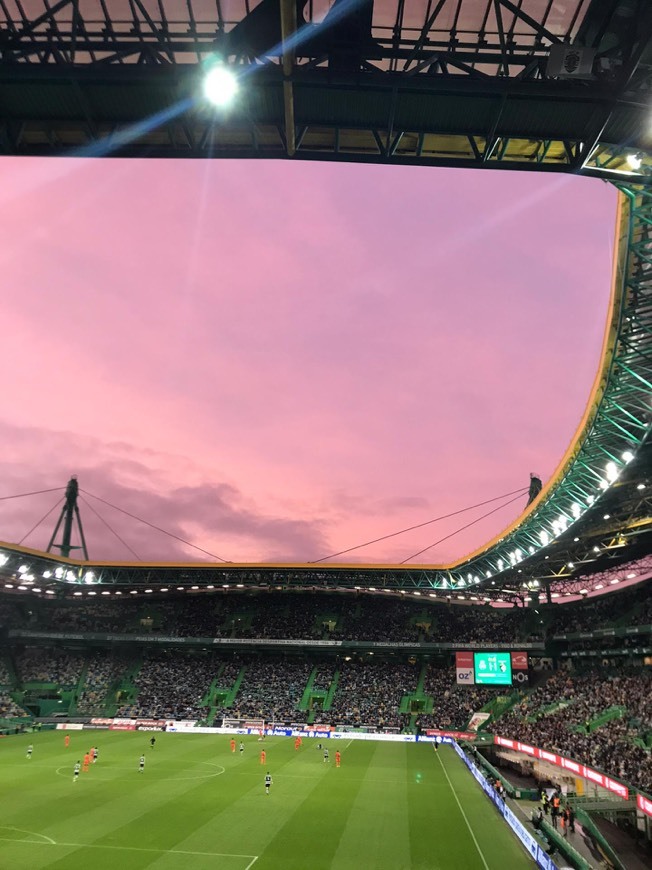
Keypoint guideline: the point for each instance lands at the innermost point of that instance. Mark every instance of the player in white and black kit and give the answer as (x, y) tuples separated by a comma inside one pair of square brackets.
[(241, 747), (141, 764), (268, 782), (325, 754), (95, 754), (29, 750), (75, 773)]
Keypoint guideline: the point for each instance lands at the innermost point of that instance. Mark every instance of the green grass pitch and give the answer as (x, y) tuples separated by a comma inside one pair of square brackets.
[(391, 806)]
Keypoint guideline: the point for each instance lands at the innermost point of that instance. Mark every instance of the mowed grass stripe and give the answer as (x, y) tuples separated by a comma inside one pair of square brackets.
[(438, 837), (252, 820), (192, 820), (311, 836), (376, 834), (499, 845)]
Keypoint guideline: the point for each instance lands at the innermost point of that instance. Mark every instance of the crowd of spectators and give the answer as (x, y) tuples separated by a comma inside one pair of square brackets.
[(271, 689), (558, 716), (103, 671), (632, 606), (9, 709), (5, 676), (370, 693), (453, 704), (172, 686), (45, 665)]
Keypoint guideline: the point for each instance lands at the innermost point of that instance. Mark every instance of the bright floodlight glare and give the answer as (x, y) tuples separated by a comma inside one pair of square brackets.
[(220, 86), (634, 161)]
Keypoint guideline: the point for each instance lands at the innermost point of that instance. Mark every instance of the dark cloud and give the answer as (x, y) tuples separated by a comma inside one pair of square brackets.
[(212, 515)]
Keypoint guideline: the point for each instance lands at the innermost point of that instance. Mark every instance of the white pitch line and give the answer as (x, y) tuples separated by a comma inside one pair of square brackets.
[(49, 840), (477, 845), (252, 862), (124, 848)]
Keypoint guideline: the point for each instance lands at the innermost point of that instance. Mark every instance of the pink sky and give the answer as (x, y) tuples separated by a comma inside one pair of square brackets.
[(278, 361)]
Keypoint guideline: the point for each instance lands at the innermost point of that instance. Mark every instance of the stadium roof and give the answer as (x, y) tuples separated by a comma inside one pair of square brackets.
[(485, 83)]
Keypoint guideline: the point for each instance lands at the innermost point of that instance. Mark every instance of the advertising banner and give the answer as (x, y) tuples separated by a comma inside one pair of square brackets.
[(644, 804), (456, 735), (527, 839), (464, 668), (575, 767), (520, 674), (69, 726), (477, 720), (122, 727)]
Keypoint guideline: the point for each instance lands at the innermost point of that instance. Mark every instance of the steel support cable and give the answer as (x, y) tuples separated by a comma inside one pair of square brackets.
[(25, 494), (157, 528), (43, 518), (110, 528), (461, 529), (517, 492)]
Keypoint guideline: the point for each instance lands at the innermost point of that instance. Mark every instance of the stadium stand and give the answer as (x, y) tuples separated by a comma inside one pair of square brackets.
[(600, 719), (369, 694), (44, 665), (172, 686), (271, 690)]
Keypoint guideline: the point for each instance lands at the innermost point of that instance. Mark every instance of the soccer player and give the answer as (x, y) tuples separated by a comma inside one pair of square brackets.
[(141, 764), (152, 741), (87, 761), (29, 750), (232, 745), (241, 747), (338, 758), (297, 744), (268, 782), (95, 754), (325, 754), (263, 756), (66, 741), (75, 773)]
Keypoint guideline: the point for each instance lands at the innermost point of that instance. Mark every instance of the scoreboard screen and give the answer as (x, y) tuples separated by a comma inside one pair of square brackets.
[(492, 669)]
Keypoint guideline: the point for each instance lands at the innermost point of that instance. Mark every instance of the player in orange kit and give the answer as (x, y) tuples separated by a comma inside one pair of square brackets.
[(232, 745), (263, 756), (85, 763), (66, 740), (338, 758), (297, 744)]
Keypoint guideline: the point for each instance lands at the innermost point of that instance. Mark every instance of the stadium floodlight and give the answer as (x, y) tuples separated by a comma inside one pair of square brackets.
[(148, 590), (133, 592), (76, 594), (612, 471), (220, 86), (596, 549), (3, 559), (23, 569), (634, 160), (118, 592), (590, 499), (631, 575), (603, 484), (584, 591), (47, 574), (614, 581), (641, 486), (9, 585), (70, 577), (571, 565), (628, 456), (92, 592), (165, 589), (106, 592), (606, 517), (544, 537), (89, 577), (49, 591)]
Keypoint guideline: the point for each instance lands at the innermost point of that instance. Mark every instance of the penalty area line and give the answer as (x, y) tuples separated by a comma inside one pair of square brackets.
[(50, 842), (477, 845)]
